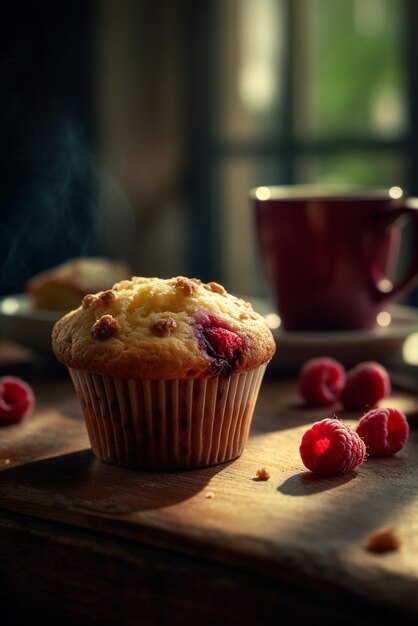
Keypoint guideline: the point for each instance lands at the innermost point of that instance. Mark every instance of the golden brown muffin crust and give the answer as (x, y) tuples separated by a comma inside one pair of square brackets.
[(153, 328)]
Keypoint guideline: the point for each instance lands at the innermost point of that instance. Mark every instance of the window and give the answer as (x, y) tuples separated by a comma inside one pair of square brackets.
[(300, 91)]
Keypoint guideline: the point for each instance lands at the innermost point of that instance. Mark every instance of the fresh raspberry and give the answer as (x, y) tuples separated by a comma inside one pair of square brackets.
[(16, 400), (331, 447), (365, 385), (384, 431), (321, 381)]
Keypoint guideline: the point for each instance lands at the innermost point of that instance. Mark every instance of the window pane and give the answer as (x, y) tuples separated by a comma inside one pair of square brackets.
[(350, 71), (354, 168), (240, 264), (249, 71)]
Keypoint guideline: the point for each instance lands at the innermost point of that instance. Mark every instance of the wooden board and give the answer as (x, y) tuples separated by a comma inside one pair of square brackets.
[(295, 526)]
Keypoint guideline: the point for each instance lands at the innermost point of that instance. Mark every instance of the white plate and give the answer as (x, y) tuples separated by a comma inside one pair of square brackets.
[(21, 323), (383, 344)]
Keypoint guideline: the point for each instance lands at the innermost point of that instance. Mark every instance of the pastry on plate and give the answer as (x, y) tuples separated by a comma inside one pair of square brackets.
[(61, 288)]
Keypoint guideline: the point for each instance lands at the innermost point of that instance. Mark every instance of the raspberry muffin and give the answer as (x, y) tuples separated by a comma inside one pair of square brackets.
[(167, 371)]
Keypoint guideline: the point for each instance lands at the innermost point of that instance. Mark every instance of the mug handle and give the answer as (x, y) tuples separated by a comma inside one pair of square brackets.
[(411, 273)]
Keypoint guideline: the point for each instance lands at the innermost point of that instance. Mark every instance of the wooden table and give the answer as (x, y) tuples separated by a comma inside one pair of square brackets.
[(82, 542)]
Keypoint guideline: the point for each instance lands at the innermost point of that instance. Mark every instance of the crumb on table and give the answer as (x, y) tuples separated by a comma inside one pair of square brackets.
[(383, 540), (209, 495), (262, 474)]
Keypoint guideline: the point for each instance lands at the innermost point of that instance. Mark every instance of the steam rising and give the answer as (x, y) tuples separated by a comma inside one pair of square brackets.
[(52, 210)]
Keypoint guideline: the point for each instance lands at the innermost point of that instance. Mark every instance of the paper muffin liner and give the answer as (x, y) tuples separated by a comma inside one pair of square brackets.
[(168, 424)]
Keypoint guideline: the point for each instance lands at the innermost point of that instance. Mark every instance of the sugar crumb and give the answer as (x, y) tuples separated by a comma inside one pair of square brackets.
[(383, 540), (105, 327), (163, 327), (186, 286), (209, 495), (262, 474)]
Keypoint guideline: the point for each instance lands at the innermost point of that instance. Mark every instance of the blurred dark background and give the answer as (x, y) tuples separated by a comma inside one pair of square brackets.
[(135, 128)]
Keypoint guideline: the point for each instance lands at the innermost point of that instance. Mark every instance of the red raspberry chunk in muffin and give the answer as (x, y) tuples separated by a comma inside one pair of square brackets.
[(221, 343), (224, 342)]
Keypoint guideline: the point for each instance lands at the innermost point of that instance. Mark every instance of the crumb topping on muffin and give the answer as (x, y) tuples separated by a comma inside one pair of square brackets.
[(104, 297), (163, 327), (154, 328), (105, 327), (216, 287), (108, 296), (88, 300), (185, 286)]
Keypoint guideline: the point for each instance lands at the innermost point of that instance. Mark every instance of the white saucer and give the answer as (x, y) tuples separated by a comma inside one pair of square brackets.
[(383, 344), (21, 323)]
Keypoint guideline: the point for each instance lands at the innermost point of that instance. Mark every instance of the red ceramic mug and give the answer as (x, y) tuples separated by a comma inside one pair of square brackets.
[(331, 254)]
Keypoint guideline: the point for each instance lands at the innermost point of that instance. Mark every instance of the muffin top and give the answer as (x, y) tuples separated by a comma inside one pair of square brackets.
[(153, 328)]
